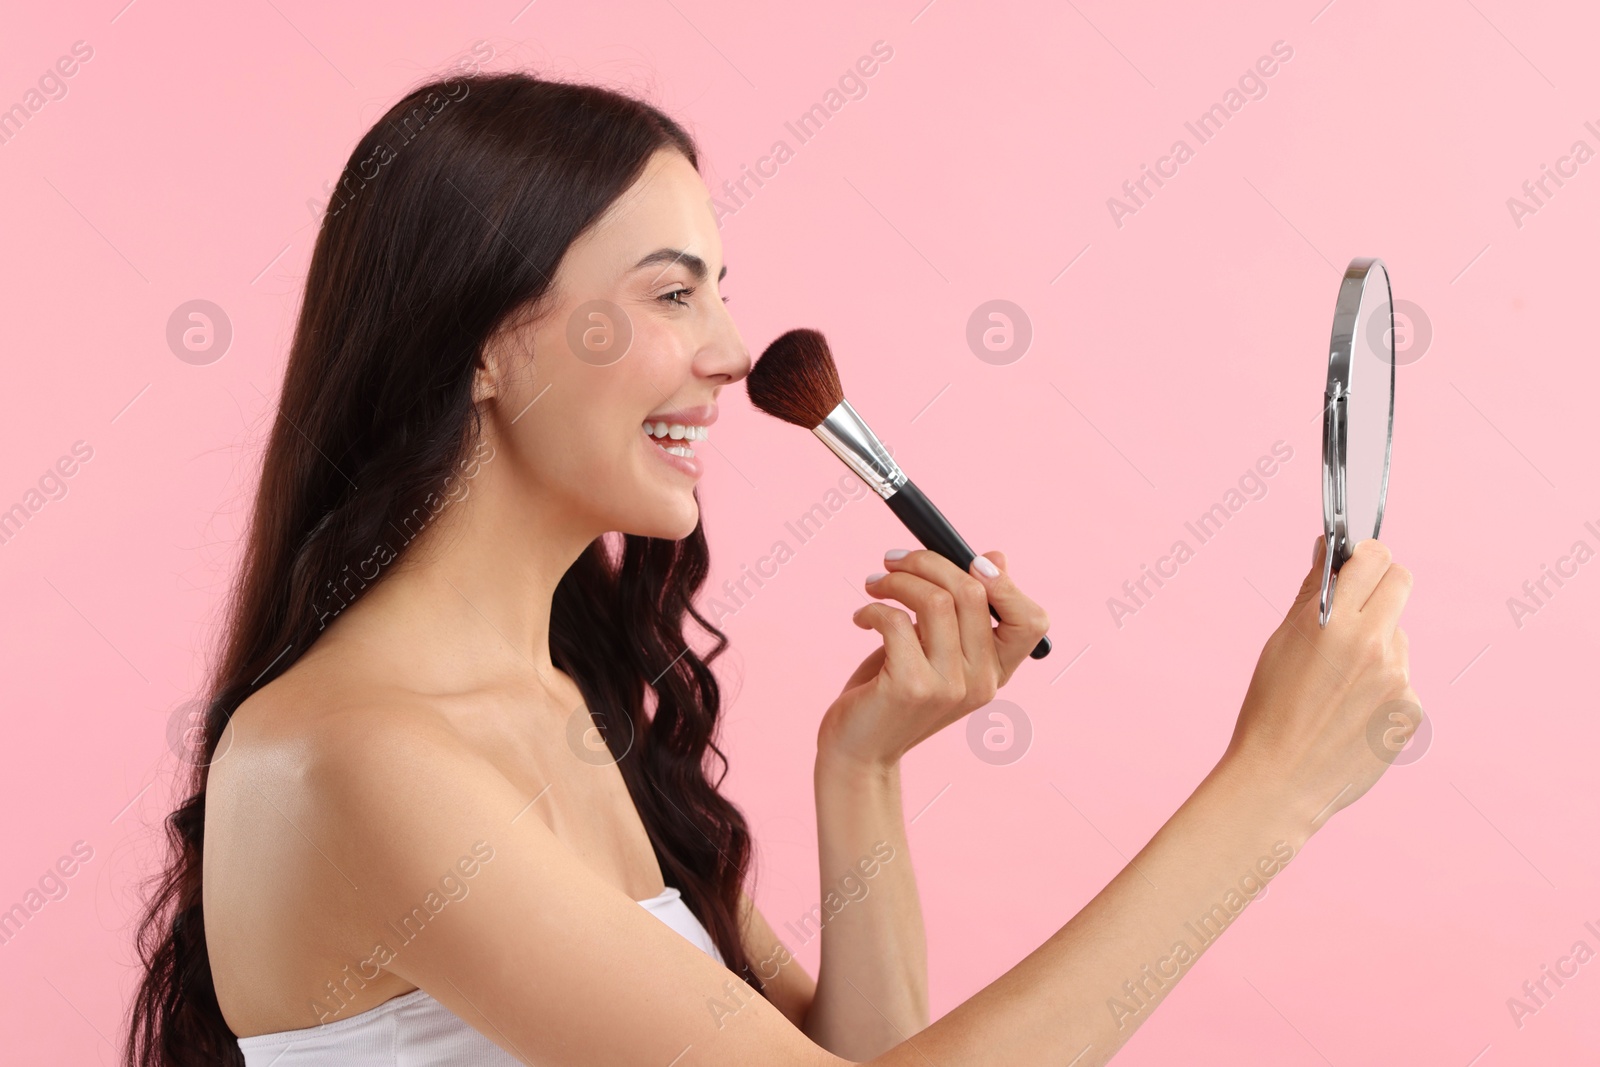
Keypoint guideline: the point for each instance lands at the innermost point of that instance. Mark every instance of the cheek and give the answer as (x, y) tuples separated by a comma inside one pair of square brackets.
[(586, 446), (583, 453), (660, 358), (584, 433)]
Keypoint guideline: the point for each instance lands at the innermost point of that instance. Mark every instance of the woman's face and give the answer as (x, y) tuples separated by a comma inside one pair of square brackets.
[(636, 331)]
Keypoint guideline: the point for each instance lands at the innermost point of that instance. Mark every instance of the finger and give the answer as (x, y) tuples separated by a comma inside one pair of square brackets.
[(1359, 576), (1022, 621), (937, 617), (978, 656), (902, 650), (868, 670), (1388, 599)]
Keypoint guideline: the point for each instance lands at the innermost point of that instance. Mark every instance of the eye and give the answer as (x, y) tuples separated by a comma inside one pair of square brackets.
[(673, 297)]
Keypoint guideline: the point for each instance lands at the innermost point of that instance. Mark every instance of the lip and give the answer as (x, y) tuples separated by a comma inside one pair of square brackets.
[(704, 415), (693, 468)]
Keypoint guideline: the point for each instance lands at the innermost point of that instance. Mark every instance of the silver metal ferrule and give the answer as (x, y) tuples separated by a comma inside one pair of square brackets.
[(853, 441)]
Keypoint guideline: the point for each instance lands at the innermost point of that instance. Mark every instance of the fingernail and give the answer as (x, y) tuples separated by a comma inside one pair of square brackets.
[(985, 567), (897, 553), (874, 576)]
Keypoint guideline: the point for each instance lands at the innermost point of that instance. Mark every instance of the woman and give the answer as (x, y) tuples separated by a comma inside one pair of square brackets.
[(474, 545)]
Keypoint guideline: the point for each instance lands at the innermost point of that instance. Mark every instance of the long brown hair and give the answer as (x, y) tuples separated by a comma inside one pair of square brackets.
[(451, 216)]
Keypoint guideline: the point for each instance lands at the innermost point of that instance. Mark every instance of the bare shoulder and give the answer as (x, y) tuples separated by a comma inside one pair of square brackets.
[(320, 734), (317, 780), (297, 747), (315, 715), (309, 770), (421, 862)]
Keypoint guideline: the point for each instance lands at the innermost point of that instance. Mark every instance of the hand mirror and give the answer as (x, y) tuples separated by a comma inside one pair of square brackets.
[(1357, 418)]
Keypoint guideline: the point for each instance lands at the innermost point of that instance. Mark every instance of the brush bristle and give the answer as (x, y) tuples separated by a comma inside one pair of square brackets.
[(795, 379)]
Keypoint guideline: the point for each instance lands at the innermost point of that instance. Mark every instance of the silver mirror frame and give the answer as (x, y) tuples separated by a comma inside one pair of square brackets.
[(1342, 349)]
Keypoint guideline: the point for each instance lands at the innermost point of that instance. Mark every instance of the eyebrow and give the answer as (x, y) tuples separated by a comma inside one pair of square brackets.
[(669, 256)]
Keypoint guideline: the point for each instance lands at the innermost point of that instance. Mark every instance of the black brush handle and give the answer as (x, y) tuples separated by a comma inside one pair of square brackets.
[(930, 527)]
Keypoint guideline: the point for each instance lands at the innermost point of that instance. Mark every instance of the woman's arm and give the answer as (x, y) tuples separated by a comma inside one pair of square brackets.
[(872, 987), (871, 991), (1081, 995), (872, 984), (560, 968)]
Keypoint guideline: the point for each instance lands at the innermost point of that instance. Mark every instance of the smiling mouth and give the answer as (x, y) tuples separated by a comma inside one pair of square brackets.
[(676, 438)]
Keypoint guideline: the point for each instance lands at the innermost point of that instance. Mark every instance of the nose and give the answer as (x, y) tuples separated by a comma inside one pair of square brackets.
[(724, 358)]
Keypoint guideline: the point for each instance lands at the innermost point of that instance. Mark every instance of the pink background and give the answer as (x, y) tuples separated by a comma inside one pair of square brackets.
[(1173, 353)]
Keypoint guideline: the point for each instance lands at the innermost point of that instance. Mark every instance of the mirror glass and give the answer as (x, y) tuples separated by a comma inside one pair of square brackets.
[(1369, 406), (1358, 416)]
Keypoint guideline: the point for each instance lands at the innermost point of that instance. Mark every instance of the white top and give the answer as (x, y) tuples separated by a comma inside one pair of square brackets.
[(414, 1030)]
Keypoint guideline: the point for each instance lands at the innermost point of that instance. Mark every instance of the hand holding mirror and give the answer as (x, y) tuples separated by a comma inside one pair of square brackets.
[(1357, 418)]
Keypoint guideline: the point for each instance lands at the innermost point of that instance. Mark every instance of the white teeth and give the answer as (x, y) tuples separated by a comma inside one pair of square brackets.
[(677, 431), (663, 432)]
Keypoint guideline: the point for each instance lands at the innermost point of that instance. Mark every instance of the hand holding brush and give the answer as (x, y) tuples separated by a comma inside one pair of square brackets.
[(796, 380)]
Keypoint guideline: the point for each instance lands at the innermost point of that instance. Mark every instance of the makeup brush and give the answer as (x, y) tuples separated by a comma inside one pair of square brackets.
[(795, 380)]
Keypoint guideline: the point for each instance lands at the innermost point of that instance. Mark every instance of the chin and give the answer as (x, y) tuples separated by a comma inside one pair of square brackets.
[(669, 525)]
